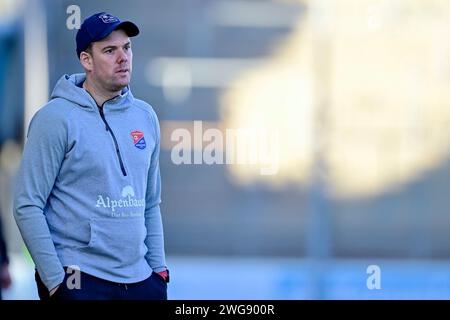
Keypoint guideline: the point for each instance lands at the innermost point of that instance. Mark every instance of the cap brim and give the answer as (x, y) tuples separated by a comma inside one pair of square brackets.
[(129, 27)]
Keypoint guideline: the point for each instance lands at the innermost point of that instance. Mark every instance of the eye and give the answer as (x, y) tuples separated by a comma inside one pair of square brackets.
[(109, 51)]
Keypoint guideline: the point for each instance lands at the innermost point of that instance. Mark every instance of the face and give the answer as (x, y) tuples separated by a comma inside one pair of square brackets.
[(110, 64)]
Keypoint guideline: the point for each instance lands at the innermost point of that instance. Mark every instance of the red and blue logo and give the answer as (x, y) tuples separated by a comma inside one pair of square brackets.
[(138, 139)]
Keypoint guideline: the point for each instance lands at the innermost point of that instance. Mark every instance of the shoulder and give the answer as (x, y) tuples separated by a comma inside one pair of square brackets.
[(56, 109), (145, 107), (52, 116), (148, 109)]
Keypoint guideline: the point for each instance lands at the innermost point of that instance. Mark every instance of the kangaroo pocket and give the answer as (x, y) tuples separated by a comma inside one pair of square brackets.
[(120, 241)]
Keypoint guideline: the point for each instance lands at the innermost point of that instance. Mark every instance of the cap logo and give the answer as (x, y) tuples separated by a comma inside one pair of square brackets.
[(107, 18)]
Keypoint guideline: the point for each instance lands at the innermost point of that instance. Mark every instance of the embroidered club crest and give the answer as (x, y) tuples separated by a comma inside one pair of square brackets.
[(138, 139), (107, 18)]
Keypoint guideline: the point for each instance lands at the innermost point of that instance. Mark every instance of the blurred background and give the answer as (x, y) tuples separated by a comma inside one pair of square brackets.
[(356, 94)]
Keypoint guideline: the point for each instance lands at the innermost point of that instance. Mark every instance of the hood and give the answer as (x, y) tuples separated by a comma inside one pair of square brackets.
[(68, 88)]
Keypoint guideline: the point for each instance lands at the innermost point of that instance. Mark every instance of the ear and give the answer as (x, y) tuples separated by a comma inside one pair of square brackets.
[(86, 60)]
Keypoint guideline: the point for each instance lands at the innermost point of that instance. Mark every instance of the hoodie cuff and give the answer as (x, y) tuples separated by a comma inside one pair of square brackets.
[(159, 269), (52, 283)]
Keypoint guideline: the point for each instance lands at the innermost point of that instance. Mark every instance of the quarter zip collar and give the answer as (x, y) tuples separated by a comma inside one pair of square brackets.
[(120, 102), (101, 111), (70, 88)]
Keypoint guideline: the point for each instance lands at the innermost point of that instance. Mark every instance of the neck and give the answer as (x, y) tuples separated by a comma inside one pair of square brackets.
[(99, 94)]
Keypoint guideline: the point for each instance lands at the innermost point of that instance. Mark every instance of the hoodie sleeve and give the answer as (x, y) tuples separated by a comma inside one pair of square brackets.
[(153, 222), (43, 154)]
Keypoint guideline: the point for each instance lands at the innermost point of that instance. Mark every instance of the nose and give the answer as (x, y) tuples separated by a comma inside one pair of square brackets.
[(123, 57)]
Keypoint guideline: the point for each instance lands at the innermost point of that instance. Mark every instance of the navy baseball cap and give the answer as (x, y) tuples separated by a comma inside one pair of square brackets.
[(99, 26)]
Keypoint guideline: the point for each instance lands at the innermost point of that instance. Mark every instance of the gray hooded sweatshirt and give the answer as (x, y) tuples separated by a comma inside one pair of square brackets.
[(88, 188)]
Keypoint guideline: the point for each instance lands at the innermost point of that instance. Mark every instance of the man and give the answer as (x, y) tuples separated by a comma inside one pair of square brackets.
[(88, 190), (5, 278)]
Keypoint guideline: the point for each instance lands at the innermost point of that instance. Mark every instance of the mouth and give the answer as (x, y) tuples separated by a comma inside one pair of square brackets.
[(122, 71)]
